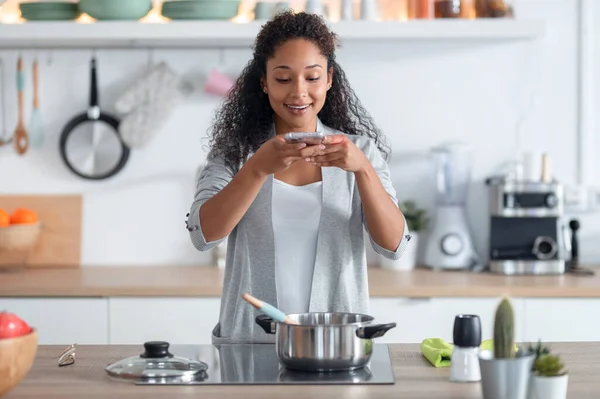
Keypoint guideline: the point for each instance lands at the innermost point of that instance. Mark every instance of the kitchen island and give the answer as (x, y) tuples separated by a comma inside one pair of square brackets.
[(414, 378)]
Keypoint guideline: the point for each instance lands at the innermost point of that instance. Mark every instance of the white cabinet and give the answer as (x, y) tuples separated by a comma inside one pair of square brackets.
[(562, 319), (175, 320), (410, 316), (420, 318), (63, 321)]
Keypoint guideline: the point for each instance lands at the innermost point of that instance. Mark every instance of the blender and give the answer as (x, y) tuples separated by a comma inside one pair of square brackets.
[(449, 245)]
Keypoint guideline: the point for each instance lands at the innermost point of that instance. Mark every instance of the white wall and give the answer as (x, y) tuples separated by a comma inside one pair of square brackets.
[(420, 94)]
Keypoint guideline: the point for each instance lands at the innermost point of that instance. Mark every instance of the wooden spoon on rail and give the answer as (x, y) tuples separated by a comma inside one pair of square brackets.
[(21, 139)]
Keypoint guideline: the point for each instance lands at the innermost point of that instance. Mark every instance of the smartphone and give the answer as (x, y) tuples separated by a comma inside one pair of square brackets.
[(304, 137)]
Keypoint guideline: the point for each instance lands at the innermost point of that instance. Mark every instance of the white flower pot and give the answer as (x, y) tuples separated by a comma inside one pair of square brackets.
[(549, 387), (408, 260)]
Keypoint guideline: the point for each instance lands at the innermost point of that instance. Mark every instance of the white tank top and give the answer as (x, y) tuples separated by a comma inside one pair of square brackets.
[(296, 216)]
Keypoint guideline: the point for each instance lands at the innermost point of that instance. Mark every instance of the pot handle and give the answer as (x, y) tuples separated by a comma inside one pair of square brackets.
[(266, 323), (374, 331)]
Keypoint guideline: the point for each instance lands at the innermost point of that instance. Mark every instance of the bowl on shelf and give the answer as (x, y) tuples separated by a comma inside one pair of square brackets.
[(116, 9), (200, 9), (49, 10), (16, 358)]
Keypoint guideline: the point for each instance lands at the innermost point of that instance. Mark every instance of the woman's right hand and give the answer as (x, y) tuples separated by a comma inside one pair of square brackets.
[(275, 155)]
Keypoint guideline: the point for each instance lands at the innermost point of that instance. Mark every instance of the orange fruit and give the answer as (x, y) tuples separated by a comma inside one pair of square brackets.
[(4, 218), (23, 216)]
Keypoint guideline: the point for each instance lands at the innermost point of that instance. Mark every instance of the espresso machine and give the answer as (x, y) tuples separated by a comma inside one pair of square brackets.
[(528, 231)]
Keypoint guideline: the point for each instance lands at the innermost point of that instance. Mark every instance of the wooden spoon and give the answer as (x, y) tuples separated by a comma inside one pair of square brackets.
[(36, 130), (269, 310), (21, 139)]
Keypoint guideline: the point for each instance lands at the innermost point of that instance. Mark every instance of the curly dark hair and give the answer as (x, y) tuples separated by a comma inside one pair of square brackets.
[(244, 121)]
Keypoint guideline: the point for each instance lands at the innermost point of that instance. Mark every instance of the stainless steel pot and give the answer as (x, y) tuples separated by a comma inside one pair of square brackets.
[(324, 341)]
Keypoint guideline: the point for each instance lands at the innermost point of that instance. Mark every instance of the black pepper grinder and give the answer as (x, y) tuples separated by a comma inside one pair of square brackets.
[(464, 363)]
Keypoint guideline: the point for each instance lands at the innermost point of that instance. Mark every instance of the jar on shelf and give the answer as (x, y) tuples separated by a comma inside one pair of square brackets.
[(393, 10), (420, 9), (467, 9), (494, 9), (447, 8)]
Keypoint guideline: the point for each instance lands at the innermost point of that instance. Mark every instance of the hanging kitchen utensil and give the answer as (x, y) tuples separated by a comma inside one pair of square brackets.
[(20, 137), (157, 363), (4, 139), (90, 144), (147, 105), (36, 128)]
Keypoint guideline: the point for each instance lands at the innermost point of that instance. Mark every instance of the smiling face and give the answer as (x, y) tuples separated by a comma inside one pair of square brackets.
[(296, 82)]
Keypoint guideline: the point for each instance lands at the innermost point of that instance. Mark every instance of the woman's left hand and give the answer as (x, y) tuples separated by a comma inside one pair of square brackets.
[(340, 152)]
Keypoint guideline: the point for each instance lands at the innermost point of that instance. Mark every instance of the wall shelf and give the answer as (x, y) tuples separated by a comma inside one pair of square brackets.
[(119, 34)]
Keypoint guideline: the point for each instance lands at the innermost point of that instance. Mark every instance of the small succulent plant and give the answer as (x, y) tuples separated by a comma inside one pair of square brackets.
[(549, 365), (504, 331)]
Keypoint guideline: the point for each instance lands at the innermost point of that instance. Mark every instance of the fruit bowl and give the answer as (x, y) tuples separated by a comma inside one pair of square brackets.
[(19, 237), (16, 358), (16, 243)]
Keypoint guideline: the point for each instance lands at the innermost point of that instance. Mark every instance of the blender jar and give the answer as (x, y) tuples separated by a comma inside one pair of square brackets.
[(452, 173)]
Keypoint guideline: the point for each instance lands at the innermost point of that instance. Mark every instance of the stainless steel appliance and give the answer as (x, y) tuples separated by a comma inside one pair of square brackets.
[(528, 233), (449, 243), (238, 364), (324, 341)]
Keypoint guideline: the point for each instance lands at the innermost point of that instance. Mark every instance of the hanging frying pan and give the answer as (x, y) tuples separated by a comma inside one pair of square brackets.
[(90, 144)]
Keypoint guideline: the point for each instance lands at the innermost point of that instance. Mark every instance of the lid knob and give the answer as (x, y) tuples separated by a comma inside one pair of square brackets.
[(156, 350)]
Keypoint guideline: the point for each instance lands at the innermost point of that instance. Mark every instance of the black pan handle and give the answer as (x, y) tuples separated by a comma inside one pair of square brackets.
[(94, 84), (374, 331), (266, 323)]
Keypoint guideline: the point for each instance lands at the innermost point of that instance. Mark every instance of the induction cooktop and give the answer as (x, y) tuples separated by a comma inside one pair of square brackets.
[(258, 364)]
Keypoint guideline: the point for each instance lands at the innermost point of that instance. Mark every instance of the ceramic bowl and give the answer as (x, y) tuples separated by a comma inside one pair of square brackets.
[(116, 9), (16, 358)]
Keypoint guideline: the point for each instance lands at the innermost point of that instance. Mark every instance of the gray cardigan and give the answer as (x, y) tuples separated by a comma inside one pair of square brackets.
[(340, 276)]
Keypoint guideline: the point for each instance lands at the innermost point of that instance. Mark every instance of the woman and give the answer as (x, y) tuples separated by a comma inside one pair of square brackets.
[(294, 213)]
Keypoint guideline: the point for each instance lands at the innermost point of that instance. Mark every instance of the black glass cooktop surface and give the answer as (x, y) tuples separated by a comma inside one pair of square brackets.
[(257, 364)]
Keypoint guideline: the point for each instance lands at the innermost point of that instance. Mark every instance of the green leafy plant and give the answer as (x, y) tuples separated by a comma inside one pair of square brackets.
[(416, 218), (549, 365), (504, 331)]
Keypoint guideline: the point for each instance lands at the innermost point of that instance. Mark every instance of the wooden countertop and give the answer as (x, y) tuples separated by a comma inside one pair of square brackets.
[(206, 281), (415, 378)]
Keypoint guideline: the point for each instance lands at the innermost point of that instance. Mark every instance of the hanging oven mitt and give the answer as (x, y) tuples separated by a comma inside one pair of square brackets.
[(147, 105)]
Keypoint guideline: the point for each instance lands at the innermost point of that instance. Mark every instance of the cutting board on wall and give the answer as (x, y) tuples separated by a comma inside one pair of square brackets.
[(59, 243)]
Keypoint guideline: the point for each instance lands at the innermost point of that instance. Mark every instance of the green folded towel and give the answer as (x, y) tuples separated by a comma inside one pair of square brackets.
[(439, 352)]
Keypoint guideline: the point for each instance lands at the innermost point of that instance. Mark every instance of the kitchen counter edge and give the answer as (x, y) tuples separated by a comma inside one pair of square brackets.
[(206, 281)]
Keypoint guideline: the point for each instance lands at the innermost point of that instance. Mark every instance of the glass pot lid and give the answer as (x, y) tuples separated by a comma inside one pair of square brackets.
[(156, 362)]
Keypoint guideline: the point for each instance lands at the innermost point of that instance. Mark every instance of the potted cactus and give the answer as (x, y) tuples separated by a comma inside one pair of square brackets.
[(505, 372), (416, 220), (550, 378)]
